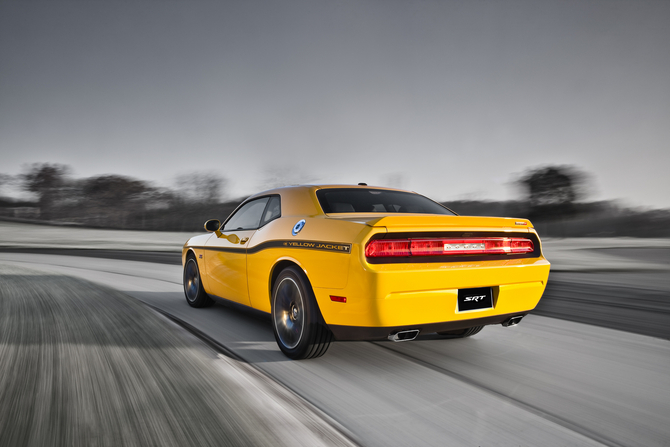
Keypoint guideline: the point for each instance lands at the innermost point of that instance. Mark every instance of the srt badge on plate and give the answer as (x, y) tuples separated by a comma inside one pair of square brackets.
[(475, 299)]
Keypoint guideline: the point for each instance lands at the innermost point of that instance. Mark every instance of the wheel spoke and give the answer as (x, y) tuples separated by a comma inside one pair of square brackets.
[(192, 280), (289, 313)]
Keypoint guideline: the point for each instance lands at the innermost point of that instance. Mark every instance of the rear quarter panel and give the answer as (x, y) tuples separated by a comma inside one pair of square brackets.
[(322, 249)]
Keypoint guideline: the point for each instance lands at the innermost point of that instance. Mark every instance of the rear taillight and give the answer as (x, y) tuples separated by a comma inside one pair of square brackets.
[(380, 248), (440, 247)]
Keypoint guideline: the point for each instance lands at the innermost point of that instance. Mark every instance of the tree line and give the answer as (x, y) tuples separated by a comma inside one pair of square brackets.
[(553, 197), (116, 201)]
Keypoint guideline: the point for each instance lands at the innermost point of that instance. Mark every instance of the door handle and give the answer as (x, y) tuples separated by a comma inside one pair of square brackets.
[(244, 240)]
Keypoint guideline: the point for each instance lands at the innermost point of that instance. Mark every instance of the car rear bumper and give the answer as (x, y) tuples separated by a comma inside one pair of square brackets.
[(351, 333), (384, 298)]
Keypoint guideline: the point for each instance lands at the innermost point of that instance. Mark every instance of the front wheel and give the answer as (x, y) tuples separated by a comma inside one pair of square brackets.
[(193, 289), (296, 320)]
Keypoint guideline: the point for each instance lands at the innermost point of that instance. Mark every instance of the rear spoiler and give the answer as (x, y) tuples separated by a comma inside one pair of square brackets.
[(472, 223)]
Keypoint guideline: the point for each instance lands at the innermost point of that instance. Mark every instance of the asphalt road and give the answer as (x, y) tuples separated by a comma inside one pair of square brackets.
[(84, 365), (545, 382), (634, 302)]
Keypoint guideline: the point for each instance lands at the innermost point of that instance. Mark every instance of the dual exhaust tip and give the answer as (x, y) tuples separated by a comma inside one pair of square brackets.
[(513, 321), (404, 335), (413, 333)]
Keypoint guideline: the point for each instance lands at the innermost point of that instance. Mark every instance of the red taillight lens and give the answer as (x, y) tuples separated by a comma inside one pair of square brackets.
[(427, 247), (383, 248), (521, 245), (433, 247)]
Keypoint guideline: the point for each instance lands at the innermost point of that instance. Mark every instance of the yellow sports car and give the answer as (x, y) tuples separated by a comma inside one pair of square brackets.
[(365, 263)]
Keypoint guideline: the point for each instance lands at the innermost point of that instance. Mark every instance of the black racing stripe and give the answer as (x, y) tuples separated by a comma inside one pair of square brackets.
[(305, 245), (222, 249)]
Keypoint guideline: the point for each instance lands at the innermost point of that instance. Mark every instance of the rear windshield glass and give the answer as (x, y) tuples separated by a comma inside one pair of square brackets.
[(360, 200)]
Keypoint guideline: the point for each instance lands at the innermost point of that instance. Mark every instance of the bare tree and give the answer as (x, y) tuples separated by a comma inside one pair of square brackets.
[(113, 190), (46, 181), (553, 190), (201, 187), (113, 198), (5, 179)]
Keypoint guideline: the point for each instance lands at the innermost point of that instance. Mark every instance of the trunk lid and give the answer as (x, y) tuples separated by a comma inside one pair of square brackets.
[(431, 222)]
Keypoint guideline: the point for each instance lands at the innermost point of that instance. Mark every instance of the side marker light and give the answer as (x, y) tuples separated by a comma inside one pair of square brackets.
[(338, 299)]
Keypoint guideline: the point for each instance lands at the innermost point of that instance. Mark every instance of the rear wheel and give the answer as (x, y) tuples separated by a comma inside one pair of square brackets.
[(462, 333), (195, 293), (296, 321)]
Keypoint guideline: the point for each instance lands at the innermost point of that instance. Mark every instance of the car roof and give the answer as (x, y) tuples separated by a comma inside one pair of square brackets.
[(314, 187)]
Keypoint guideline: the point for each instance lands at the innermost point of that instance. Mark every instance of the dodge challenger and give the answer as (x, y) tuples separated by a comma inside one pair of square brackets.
[(339, 262)]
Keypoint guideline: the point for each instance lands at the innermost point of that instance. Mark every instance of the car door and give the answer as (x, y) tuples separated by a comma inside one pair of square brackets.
[(226, 255)]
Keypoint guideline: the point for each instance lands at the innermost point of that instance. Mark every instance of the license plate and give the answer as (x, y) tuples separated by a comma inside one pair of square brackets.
[(475, 299)]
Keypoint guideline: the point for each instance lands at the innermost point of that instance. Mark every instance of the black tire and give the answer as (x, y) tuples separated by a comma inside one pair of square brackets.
[(296, 320), (193, 290), (462, 333)]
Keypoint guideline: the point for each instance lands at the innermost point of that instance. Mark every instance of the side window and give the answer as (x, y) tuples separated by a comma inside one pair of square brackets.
[(272, 211), (248, 217)]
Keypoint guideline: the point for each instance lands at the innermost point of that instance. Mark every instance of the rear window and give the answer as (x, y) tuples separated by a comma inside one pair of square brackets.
[(360, 200)]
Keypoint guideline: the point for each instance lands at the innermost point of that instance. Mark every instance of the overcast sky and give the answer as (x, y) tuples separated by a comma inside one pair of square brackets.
[(447, 98)]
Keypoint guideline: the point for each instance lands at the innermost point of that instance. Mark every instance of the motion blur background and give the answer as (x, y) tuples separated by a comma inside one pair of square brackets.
[(157, 115), (141, 114)]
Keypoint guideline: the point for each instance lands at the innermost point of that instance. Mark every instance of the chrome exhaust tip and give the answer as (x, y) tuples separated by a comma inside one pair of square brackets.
[(404, 335), (513, 321)]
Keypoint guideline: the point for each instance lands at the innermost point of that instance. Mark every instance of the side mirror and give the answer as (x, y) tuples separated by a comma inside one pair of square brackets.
[(212, 225)]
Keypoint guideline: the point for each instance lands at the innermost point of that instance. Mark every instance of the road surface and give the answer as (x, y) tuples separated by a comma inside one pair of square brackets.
[(545, 382)]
